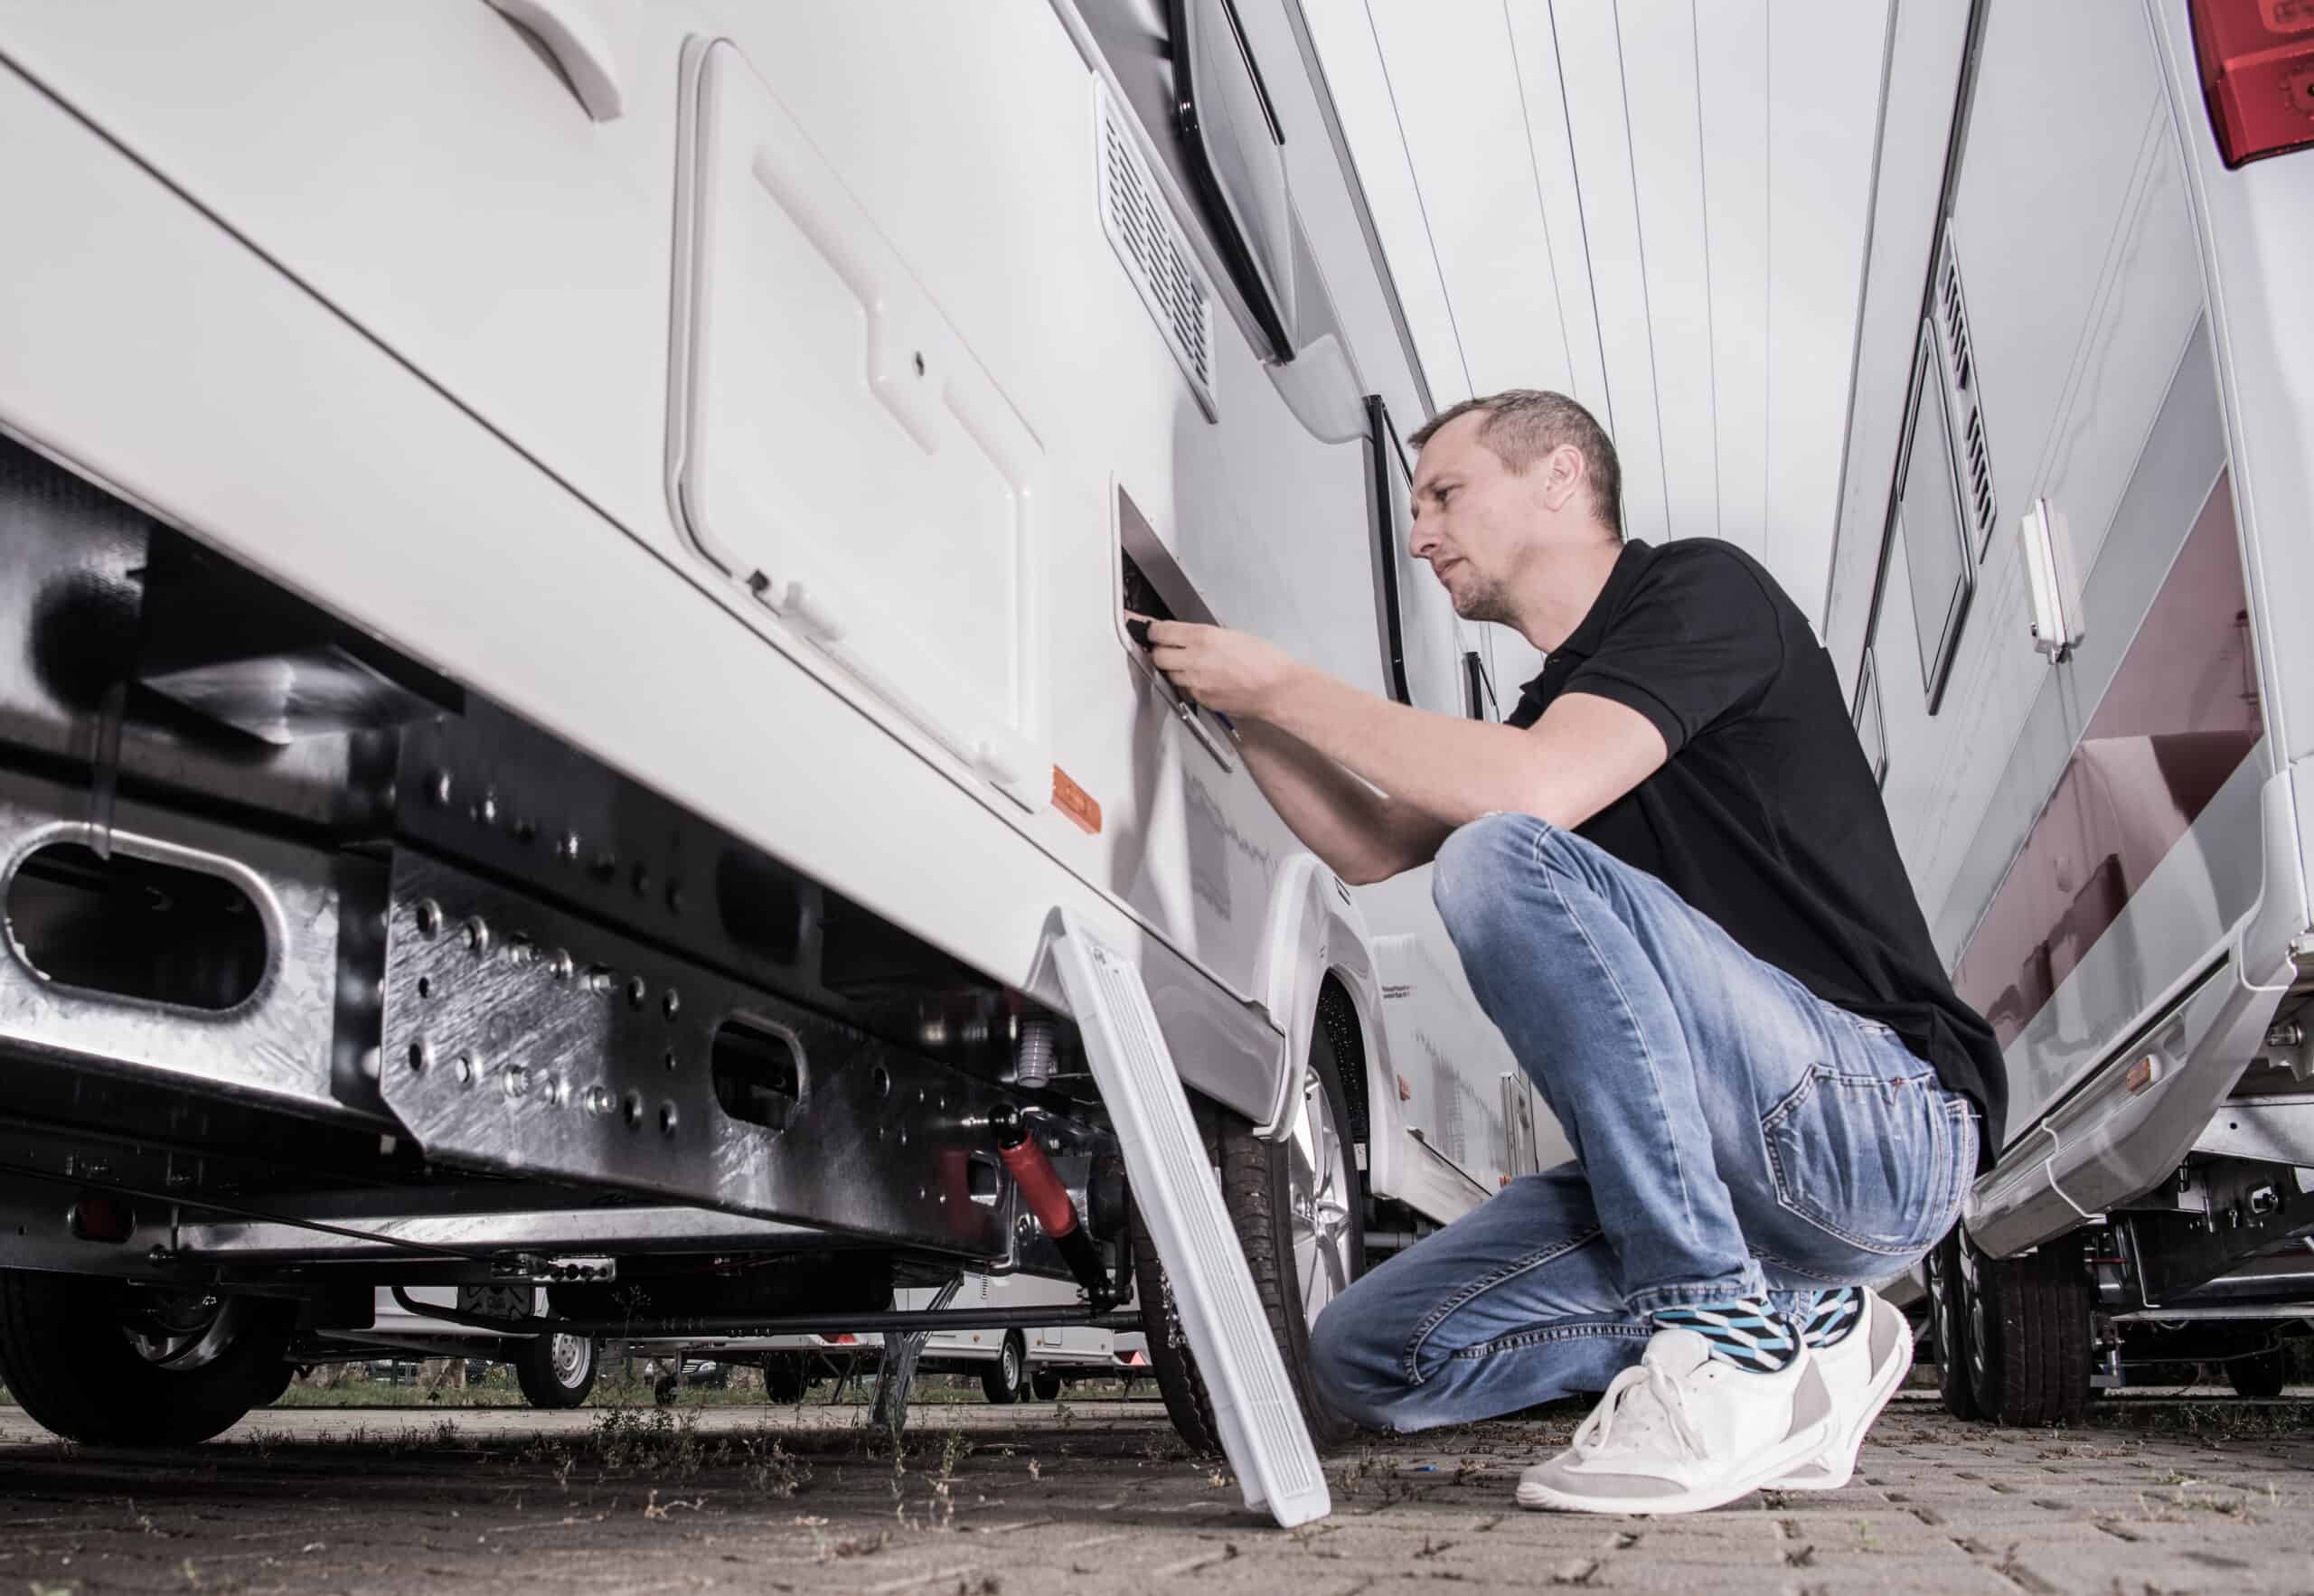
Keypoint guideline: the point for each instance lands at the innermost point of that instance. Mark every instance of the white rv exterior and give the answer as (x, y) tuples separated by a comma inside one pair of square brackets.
[(2076, 496), (688, 453)]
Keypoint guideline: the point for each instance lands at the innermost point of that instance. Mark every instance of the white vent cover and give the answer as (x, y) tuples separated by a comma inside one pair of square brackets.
[(1155, 255), (1970, 448)]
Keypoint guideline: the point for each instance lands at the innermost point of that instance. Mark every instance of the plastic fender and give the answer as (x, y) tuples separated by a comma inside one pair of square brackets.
[(1315, 930)]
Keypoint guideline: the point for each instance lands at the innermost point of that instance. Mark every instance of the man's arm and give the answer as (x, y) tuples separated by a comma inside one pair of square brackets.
[(1362, 835), (1439, 771)]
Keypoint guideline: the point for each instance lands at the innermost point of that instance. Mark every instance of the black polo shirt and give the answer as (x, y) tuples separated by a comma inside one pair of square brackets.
[(1767, 816)]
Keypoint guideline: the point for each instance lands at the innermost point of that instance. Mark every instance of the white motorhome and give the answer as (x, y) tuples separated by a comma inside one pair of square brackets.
[(563, 657), (2080, 464)]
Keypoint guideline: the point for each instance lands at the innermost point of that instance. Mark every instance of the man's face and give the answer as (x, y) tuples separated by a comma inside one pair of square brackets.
[(1475, 519)]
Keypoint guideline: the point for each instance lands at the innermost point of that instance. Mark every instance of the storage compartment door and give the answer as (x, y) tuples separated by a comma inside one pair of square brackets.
[(837, 448)]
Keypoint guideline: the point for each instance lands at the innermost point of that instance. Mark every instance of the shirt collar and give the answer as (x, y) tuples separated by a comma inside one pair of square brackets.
[(1583, 641)]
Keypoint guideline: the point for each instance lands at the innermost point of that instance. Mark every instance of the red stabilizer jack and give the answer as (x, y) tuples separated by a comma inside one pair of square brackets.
[(1048, 1199), (1040, 1186)]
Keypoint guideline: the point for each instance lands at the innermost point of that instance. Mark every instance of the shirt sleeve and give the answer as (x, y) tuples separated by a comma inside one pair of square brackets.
[(1696, 639)]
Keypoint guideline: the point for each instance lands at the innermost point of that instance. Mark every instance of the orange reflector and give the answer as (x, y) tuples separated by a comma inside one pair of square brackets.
[(846, 1339), (2143, 1073), (1075, 803)]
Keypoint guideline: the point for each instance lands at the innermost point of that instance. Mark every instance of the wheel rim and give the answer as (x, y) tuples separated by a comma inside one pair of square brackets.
[(1940, 1303), (182, 1331), (1320, 1194), (1972, 1296), (569, 1358), (1011, 1366)]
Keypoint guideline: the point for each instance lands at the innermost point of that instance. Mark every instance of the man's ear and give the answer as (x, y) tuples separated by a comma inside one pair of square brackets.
[(1563, 473)]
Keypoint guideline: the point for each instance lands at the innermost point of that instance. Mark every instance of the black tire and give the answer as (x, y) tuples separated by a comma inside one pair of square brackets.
[(1948, 1327), (783, 1379), (68, 1358), (1257, 1189), (2029, 1334), (1002, 1381), (2260, 1375), (557, 1371), (663, 1391), (1045, 1385)]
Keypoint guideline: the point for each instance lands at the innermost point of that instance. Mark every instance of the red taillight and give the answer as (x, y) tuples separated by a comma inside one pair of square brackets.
[(2257, 67), (846, 1339)]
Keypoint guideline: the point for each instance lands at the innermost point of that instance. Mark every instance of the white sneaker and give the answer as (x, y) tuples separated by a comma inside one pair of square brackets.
[(1861, 1372), (1682, 1432)]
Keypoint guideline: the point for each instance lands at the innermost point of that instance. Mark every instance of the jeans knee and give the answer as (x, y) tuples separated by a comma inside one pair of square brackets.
[(1357, 1378), (1466, 885)]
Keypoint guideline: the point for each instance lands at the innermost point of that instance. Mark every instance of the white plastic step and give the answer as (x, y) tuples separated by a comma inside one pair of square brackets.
[(1262, 1429)]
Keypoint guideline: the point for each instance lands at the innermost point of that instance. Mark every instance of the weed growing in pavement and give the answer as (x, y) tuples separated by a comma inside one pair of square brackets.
[(2209, 1420)]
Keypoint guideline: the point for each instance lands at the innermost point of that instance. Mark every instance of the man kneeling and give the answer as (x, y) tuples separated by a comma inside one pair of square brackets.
[(1674, 888)]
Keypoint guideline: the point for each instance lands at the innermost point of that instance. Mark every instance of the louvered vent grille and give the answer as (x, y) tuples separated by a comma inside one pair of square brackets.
[(1155, 254), (1969, 446)]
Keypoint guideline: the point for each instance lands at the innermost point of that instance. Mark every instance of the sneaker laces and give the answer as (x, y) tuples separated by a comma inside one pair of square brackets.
[(1593, 1436)]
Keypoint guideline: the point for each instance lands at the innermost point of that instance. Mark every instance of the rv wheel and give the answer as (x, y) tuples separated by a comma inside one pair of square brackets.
[(559, 1371), (783, 1379), (1296, 1208), (1001, 1381), (2260, 1374), (1948, 1321), (2028, 1333), (114, 1365)]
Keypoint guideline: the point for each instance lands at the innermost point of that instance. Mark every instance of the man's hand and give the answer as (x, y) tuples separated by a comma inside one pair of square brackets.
[(1232, 672)]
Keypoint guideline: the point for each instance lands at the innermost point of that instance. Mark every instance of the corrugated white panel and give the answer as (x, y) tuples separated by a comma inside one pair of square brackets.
[(1459, 102), (1681, 247), (1551, 157), (1658, 73), (1591, 75), (1825, 67), (1731, 39), (1365, 99)]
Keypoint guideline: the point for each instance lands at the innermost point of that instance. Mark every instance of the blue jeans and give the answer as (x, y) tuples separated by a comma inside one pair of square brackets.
[(1733, 1136)]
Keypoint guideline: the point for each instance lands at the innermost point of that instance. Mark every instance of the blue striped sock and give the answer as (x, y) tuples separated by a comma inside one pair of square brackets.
[(1743, 1332), (1835, 1314)]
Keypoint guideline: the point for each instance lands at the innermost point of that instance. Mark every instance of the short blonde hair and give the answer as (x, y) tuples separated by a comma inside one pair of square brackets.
[(1524, 424)]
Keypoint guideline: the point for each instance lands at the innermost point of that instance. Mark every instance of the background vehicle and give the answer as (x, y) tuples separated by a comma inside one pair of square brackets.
[(1011, 1362), (2078, 474)]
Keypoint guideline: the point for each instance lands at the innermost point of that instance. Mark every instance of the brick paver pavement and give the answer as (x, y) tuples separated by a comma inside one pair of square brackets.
[(1100, 1498)]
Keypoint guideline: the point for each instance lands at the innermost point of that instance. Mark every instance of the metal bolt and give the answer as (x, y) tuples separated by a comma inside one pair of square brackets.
[(599, 1101), (566, 847), (518, 1080), (638, 992), (670, 1061), (560, 965), (438, 789), (428, 916), (476, 933), (466, 1069), (486, 812), (666, 1119), (671, 1004)]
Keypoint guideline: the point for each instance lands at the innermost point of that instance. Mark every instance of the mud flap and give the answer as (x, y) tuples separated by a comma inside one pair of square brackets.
[(1262, 1429)]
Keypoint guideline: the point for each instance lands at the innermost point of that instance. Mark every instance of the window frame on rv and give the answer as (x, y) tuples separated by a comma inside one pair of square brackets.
[(1930, 405), (1253, 230), (1871, 724)]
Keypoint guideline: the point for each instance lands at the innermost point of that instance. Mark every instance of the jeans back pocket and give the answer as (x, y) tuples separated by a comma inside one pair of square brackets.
[(1865, 1158)]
